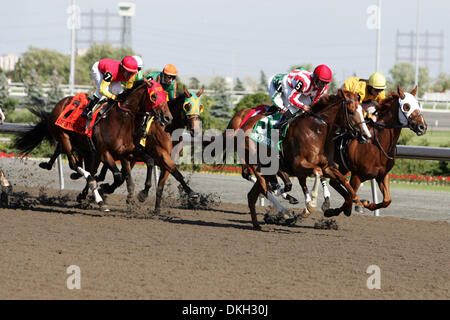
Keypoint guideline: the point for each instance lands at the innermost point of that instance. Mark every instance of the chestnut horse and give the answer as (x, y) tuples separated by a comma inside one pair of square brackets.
[(307, 149), (234, 124), (113, 135), (375, 159)]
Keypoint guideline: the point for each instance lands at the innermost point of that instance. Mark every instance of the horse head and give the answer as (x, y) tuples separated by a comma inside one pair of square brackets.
[(192, 109), (157, 103), (410, 111), (354, 118)]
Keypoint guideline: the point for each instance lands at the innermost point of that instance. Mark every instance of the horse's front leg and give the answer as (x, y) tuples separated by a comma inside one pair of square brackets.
[(117, 174), (287, 187), (384, 186), (143, 194), (350, 194), (126, 171)]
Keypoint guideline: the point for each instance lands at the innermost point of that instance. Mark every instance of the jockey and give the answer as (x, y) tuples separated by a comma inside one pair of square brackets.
[(167, 79), (140, 64), (108, 76), (370, 91), (297, 90)]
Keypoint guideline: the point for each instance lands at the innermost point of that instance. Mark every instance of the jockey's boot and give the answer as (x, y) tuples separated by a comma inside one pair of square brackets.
[(87, 112), (284, 119)]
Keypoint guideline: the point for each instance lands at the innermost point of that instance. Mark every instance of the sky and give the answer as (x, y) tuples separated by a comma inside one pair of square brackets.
[(240, 38)]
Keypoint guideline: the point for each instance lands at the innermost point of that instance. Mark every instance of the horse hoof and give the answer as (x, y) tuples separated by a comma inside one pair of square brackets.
[(359, 209), (75, 176), (45, 165), (326, 204), (103, 207), (305, 213), (292, 200), (348, 212), (142, 196), (330, 213), (4, 199)]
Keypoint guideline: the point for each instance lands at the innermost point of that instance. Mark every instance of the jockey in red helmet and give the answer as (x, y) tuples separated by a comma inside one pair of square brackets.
[(108, 76), (297, 90)]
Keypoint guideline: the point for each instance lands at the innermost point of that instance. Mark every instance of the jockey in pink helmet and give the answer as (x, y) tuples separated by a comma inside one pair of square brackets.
[(297, 90), (108, 76)]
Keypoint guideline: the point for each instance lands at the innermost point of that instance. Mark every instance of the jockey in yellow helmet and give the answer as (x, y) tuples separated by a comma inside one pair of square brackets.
[(369, 91)]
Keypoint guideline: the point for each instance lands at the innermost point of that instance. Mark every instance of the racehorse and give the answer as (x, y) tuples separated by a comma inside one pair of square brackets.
[(234, 124), (112, 137), (185, 109), (308, 150), (374, 160)]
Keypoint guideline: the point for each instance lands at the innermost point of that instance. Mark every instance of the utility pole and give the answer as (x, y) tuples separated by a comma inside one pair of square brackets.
[(377, 68), (416, 79)]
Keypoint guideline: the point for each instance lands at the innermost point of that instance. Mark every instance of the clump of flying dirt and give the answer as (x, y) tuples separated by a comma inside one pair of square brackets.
[(272, 216), (21, 200), (197, 201), (44, 199), (327, 224)]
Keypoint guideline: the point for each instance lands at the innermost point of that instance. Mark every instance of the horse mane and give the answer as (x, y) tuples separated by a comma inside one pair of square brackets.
[(325, 101), (388, 102)]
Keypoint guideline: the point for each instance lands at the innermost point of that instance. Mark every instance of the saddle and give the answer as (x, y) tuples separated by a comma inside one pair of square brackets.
[(71, 119)]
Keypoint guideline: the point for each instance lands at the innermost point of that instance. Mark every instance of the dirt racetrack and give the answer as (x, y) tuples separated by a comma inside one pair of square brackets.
[(211, 253)]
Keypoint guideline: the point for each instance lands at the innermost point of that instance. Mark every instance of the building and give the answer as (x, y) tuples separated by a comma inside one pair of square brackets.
[(8, 62)]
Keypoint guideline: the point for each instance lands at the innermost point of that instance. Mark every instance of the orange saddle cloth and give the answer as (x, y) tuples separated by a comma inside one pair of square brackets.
[(71, 119)]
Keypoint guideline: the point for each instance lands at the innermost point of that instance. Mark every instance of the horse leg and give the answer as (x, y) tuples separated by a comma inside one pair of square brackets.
[(326, 195), (252, 197), (143, 194), (384, 186), (160, 188), (101, 177), (6, 188), (287, 187), (117, 174), (48, 165), (350, 196), (94, 188), (126, 171)]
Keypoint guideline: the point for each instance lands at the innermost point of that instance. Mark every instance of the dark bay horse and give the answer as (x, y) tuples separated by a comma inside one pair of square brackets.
[(308, 148), (374, 160), (185, 109), (113, 135)]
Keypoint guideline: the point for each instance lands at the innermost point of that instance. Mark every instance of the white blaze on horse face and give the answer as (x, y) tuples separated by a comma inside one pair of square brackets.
[(364, 130), (404, 112)]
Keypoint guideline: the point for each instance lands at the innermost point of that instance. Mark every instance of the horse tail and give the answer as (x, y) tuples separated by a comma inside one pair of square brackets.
[(27, 141)]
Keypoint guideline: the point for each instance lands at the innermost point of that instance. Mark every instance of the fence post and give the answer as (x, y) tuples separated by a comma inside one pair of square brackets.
[(373, 185), (60, 172)]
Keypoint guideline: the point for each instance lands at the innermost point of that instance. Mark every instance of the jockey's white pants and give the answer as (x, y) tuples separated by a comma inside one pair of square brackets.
[(281, 99), (115, 87)]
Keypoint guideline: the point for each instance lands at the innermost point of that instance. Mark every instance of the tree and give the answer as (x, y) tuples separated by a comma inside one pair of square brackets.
[(7, 104), (55, 93), (262, 82), (222, 102), (403, 75), (252, 100), (33, 87), (194, 83), (442, 82), (239, 85), (208, 120)]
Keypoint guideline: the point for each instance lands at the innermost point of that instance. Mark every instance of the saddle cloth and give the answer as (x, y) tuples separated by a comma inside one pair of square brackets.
[(70, 118), (262, 131)]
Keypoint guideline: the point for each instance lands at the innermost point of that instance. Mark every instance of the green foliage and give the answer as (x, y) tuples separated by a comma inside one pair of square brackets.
[(222, 103), (262, 82), (7, 104), (442, 82), (239, 86), (208, 120), (22, 116), (252, 100), (403, 75), (194, 83)]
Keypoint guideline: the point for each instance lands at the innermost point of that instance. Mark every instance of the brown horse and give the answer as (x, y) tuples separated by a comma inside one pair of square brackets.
[(375, 159), (185, 109), (234, 124), (307, 149), (113, 136)]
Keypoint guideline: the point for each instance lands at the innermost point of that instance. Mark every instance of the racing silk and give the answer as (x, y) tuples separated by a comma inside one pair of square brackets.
[(171, 88), (110, 69), (298, 85), (359, 86)]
